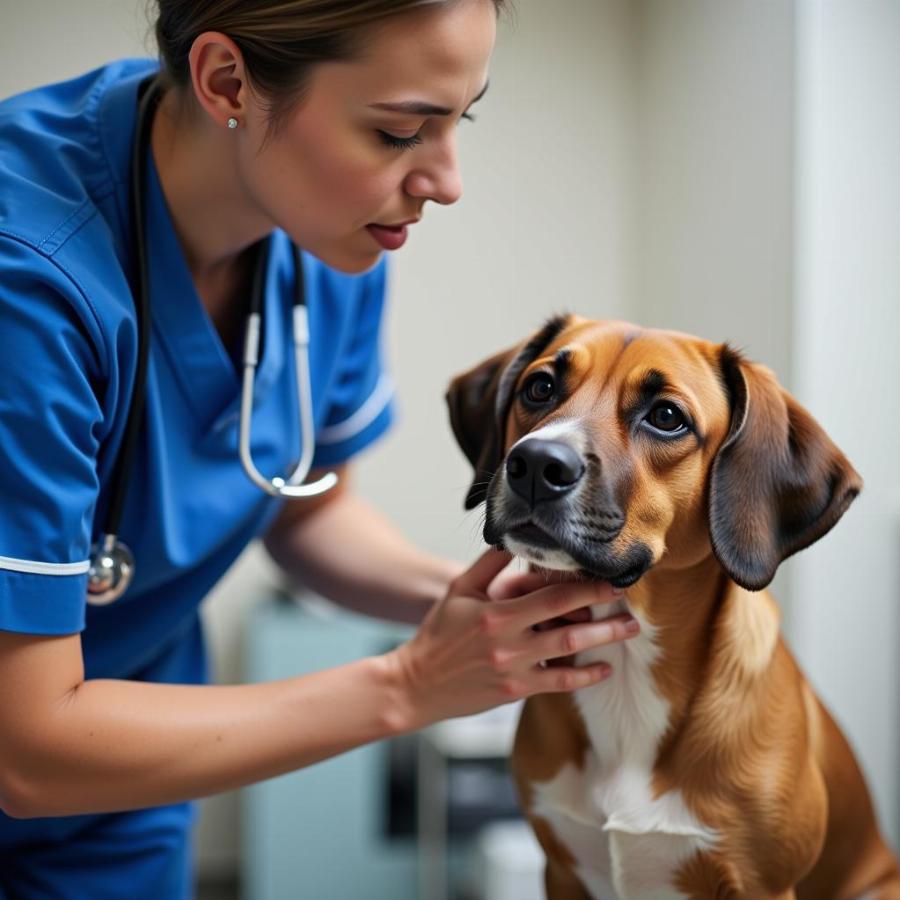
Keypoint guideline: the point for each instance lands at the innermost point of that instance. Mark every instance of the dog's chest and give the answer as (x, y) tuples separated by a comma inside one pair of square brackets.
[(626, 843)]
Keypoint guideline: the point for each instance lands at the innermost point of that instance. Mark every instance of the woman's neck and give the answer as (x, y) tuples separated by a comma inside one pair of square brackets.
[(214, 217)]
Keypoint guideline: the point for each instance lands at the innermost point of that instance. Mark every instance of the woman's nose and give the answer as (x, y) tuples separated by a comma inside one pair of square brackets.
[(436, 177)]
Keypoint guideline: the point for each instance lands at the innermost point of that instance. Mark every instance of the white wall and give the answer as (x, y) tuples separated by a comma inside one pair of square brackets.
[(48, 40), (845, 621), (713, 244)]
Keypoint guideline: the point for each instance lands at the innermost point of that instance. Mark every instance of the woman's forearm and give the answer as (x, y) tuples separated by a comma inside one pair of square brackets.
[(72, 746), (351, 554), (113, 745)]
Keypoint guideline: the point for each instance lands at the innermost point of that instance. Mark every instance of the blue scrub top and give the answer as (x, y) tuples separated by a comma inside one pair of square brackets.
[(68, 345)]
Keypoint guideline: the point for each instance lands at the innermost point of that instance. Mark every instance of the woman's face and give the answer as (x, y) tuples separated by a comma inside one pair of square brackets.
[(374, 138)]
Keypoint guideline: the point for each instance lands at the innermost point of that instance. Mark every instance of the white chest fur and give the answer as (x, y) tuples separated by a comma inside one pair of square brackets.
[(628, 845)]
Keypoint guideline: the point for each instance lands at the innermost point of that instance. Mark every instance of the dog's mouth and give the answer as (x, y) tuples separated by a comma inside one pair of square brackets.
[(533, 535), (595, 559)]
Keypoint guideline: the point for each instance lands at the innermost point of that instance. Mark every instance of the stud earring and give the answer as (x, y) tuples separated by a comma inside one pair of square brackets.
[(232, 122)]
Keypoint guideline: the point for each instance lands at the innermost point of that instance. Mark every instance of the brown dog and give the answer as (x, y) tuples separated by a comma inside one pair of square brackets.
[(704, 766)]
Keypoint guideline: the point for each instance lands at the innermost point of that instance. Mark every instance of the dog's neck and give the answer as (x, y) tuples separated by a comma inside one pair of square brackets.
[(682, 606), (707, 630)]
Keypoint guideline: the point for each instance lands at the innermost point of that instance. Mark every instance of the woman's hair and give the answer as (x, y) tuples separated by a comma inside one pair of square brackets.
[(281, 40)]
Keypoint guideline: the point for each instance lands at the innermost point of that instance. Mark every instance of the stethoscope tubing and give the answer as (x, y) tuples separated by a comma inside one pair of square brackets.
[(278, 487), (112, 566)]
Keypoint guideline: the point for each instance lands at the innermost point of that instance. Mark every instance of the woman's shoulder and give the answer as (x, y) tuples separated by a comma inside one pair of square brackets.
[(64, 153)]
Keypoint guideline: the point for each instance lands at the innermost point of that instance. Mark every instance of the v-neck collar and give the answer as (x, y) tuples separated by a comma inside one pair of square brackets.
[(205, 370)]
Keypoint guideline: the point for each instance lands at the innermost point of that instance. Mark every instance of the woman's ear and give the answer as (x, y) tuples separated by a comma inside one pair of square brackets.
[(218, 77), (479, 402), (778, 483)]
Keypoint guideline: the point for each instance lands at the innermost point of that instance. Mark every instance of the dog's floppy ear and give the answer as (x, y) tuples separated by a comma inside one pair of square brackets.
[(479, 401), (778, 483)]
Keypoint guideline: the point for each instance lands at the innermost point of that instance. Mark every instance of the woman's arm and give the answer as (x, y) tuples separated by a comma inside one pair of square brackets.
[(340, 546), (73, 746)]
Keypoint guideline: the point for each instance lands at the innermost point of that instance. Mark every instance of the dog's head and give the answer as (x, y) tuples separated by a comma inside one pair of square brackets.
[(607, 448)]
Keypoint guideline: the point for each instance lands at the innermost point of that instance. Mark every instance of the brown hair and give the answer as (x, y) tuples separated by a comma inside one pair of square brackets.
[(281, 40)]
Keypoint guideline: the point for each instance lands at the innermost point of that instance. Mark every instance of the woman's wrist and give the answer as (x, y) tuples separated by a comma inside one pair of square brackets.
[(403, 710)]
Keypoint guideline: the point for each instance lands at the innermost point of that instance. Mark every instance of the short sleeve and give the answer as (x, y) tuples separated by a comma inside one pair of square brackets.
[(50, 419), (361, 400)]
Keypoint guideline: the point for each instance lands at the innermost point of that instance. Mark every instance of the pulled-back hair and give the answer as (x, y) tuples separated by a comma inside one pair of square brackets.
[(281, 40)]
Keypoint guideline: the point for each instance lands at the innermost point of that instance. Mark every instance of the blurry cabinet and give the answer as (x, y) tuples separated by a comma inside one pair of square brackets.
[(322, 833), (464, 784)]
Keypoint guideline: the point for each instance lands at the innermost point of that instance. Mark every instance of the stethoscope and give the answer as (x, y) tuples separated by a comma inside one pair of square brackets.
[(111, 562)]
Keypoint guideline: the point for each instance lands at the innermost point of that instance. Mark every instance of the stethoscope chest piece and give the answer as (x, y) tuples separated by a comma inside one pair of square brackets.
[(110, 572)]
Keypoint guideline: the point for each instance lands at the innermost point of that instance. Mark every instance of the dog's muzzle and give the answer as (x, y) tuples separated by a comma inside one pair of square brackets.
[(551, 504)]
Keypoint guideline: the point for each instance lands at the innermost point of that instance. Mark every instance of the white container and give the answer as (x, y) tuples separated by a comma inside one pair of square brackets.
[(509, 863)]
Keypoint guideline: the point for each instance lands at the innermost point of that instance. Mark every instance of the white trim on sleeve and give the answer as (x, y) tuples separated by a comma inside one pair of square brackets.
[(44, 568), (364, 416)]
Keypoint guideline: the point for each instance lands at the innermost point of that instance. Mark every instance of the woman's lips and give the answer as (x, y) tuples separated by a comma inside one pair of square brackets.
[(390, 237)]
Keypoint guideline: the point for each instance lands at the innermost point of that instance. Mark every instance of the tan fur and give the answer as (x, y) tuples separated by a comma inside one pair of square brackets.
[(754, 754)]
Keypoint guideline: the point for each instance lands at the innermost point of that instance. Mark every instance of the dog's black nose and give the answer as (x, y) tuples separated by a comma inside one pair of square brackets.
[(539, 470)]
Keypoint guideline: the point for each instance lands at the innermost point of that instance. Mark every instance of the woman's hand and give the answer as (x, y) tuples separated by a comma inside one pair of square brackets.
[(478, 649)]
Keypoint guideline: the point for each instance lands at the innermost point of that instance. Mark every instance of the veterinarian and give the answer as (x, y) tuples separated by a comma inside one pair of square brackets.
[(152, 216)]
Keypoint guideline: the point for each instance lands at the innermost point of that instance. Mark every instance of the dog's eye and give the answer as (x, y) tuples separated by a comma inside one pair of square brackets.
[(538, 389), (666, 417)]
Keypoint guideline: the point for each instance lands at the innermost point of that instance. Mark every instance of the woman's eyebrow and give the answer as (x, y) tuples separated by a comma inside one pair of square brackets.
[(421, 108)]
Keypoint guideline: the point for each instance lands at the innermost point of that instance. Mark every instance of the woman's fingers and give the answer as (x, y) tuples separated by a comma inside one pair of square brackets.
[(582, 614), (477, 578), (510, 583), (560, 679), (514, 584), (571, 639), (556, 600)]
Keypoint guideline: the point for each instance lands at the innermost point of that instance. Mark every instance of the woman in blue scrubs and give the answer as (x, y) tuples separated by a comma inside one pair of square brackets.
[(319, 122)]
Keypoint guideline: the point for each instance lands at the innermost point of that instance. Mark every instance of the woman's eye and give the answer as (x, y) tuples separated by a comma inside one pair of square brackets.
[(399, 143), (666, 417), (407, 143), (538, 389)]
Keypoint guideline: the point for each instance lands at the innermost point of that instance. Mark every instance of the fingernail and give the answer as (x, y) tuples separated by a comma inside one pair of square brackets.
[(617, 591), (632, 626)]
